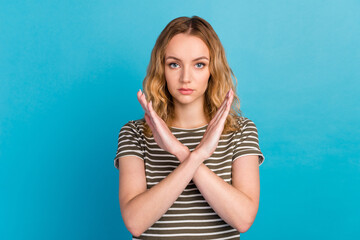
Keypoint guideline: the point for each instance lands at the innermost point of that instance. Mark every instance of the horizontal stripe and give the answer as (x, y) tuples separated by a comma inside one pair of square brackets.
[(177, 228), (187, 234), (224, 238), (189, 208), (190, 215), (191, 221)]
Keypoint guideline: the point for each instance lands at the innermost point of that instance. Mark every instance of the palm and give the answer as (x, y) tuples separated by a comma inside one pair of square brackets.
[(167, 141), (162, 135), (213, 132)]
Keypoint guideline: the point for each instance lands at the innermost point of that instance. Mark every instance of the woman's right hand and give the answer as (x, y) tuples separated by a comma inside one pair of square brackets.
[(162, 134), (213, 132)]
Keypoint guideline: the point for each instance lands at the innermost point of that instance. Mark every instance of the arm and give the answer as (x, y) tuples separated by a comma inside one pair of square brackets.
[(140, 207), (236, 204), (169, 143)]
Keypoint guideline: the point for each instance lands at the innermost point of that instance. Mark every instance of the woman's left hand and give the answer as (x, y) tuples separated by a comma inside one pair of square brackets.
[(214, 130), (162, 134)]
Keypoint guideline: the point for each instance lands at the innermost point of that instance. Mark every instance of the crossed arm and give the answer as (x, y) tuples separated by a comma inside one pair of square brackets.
[(236, 204)]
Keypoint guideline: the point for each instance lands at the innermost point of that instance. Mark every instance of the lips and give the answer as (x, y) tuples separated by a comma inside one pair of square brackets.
[(185, 91)]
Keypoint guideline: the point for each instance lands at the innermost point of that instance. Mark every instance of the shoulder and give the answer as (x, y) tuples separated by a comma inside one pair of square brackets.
[(134, 126), (135, 123), (245, 124)]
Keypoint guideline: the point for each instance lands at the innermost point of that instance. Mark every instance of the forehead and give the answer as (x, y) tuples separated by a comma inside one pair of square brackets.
[(186, 46)]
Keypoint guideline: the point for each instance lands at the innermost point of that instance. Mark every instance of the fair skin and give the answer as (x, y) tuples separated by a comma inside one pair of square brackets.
[(183, 71), (236, 204)]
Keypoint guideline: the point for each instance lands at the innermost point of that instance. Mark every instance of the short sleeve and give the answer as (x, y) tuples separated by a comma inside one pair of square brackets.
[(247, 141), (129, 143)]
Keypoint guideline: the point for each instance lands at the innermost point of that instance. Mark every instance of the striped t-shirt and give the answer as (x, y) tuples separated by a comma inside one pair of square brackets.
[(190, 216)]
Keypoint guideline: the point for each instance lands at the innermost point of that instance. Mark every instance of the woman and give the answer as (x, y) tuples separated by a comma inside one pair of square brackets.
[(190, 168)]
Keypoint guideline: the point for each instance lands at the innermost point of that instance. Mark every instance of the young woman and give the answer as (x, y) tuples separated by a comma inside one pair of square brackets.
[(190, 168)]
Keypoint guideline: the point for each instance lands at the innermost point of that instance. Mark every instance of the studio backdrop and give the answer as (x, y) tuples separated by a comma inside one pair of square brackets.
[(69, 73)]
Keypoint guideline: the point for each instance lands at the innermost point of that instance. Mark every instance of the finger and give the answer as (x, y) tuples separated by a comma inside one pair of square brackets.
[(153, 115), (228, 107), (148, 120), (231, 99), (227, 110), (223, 105), (224, 111), (139, 96), (221, 108), (142, 100)]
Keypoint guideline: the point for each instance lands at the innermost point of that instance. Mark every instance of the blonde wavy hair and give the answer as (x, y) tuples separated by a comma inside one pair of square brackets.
[(220, 81)]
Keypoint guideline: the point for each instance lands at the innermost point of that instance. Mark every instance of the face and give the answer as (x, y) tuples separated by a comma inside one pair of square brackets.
[(187, 69)]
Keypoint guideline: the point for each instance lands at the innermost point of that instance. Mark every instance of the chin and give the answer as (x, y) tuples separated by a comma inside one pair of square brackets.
[(187, 100)]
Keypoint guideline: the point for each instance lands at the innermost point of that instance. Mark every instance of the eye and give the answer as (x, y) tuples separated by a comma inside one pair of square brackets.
[(203, 65), (171, 64)]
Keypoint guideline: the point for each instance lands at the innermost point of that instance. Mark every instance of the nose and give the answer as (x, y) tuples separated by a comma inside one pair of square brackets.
[(185, 75)]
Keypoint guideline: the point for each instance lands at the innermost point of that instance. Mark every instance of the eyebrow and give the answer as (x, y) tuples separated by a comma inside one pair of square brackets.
[(203, 57)]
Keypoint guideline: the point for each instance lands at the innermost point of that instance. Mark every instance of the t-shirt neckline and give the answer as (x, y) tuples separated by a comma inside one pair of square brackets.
[(189, 129)]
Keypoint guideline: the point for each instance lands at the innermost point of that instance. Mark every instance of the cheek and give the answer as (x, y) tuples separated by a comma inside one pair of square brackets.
[(204, 79), (169, 82), (166, 73), (169, 75)]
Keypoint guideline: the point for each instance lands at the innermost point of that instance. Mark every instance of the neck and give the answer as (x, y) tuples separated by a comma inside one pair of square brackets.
[(189, 116)]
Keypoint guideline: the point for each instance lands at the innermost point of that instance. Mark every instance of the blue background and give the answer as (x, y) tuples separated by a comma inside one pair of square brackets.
[(69, 73)]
